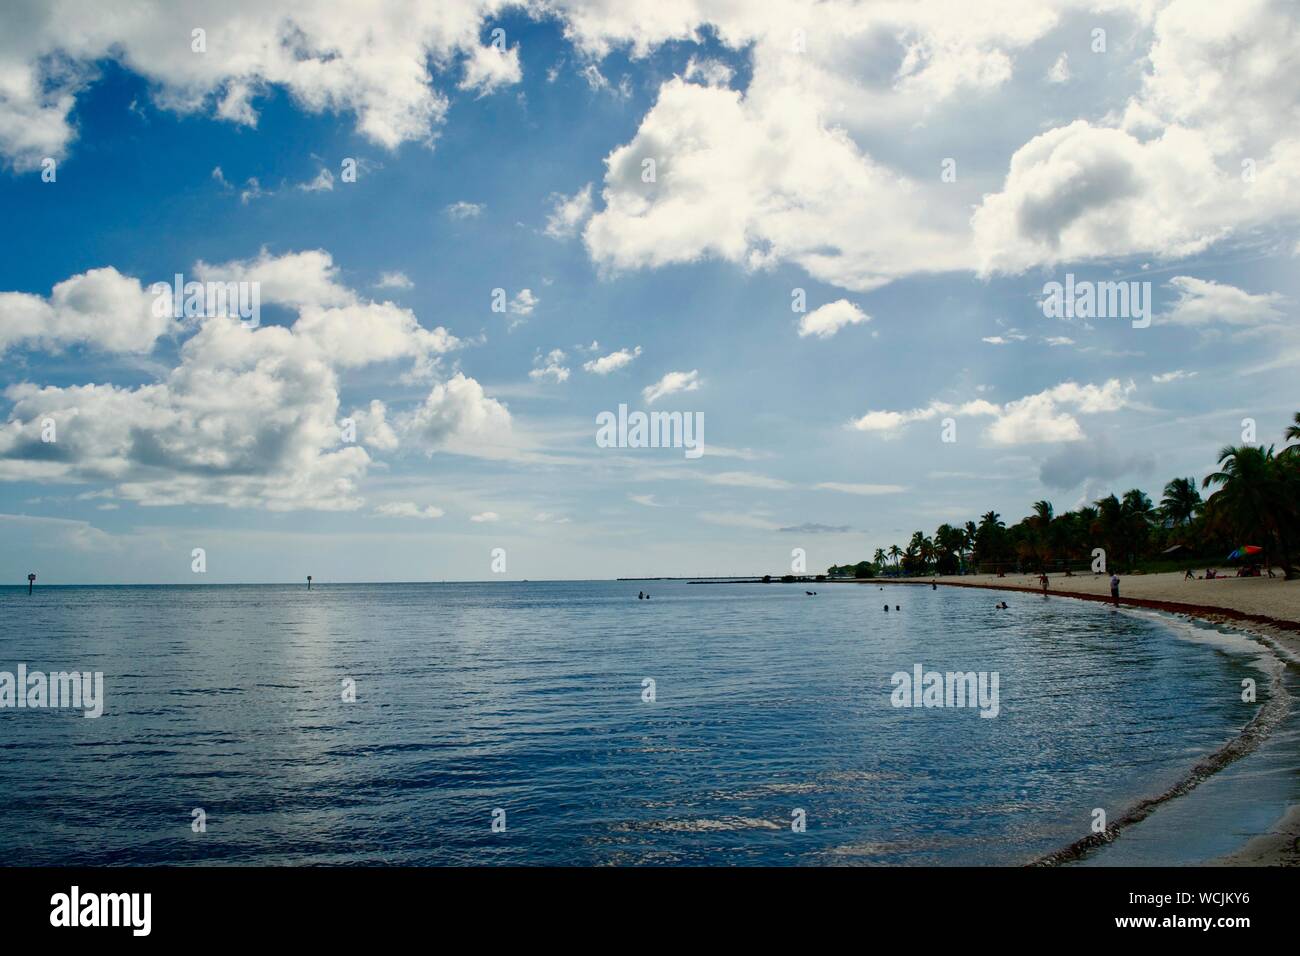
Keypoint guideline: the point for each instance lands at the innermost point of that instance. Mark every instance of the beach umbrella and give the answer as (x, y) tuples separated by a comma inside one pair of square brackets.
[(1245, 550)]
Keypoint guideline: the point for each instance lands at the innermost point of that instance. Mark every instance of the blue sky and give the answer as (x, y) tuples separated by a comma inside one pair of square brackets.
[(799, 147)]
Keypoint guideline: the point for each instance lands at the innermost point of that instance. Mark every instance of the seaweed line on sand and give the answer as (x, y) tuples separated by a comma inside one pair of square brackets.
[(1272, 713)]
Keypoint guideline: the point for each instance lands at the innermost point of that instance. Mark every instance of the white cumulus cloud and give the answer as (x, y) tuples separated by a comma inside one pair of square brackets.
[(611, 362), (249, 417), (670, 384), (373, 63), (550, 367), (825, 321), (100, 308), (1202, 302), (1042, 417), (568, 213)]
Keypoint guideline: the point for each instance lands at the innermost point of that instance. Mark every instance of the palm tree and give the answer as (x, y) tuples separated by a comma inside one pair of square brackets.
[(989, 537), (1256, 497), (1136, 502), (1138, 516), (879, 557), (915, 550), (1292, 452), (1181, 501), (948, 544), (1040, 522), (895, 552), (1085, 522), (927, 552), (911, 557), (1109, 526)]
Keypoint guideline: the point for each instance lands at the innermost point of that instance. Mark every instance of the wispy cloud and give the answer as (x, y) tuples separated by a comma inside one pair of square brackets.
[(464, 210), (407, 509), (860, 489)]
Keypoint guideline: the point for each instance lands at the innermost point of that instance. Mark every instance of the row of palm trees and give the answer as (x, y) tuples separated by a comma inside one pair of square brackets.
[(1256, 501)]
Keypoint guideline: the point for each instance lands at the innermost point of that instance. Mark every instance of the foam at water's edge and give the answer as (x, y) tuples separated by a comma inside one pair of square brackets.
[(1270, 715)]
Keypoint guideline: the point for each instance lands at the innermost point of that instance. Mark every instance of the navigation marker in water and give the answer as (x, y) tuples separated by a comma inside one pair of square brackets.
[(31, 579), (309, 582)]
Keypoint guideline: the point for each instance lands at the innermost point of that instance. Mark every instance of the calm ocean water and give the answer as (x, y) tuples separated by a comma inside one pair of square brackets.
[(528, 698)]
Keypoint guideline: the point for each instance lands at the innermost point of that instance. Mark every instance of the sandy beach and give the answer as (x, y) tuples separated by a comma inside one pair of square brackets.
[(1266, 607), (1270, 601)]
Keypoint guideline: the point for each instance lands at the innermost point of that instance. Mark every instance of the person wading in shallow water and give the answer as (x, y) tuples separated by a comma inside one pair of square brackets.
[(1114, 589)]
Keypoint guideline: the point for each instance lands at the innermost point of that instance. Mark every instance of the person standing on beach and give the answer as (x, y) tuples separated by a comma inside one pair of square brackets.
[(1114, 589)]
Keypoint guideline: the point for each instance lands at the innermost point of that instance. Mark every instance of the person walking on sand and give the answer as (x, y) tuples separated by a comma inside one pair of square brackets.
[(1042, 579), (1114, 589)]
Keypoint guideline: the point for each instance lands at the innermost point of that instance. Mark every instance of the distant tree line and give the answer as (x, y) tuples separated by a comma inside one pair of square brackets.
[(1255, 501)]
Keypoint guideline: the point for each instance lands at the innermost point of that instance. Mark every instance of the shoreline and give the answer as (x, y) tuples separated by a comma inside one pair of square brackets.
[(1280, 845), (1218, 610)]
